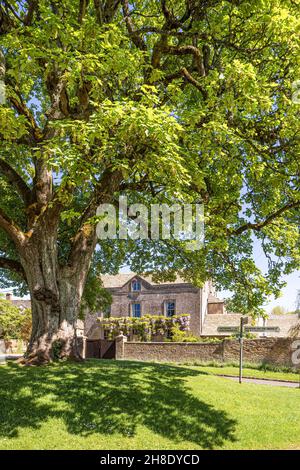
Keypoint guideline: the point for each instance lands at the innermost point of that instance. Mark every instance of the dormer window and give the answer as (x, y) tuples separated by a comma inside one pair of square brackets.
[(135, 285)]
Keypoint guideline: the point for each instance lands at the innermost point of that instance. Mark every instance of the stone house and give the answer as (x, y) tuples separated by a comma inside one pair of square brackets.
[(137, 295), (22, 304)]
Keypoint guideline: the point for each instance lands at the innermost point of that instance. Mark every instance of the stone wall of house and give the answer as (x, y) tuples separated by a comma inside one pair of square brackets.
[(262, 350), (215, 308), (187, 301), (205, 291)]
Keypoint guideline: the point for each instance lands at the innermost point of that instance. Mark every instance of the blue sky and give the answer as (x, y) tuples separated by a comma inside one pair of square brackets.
[(289, 293), (288, 297)]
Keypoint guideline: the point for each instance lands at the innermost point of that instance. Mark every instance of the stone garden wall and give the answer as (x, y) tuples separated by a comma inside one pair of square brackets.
[(12, 346), (263, 350), (173, 352), (276, 351)]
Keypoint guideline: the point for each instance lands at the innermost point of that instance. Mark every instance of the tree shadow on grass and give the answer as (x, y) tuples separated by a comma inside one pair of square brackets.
[(109, 397)]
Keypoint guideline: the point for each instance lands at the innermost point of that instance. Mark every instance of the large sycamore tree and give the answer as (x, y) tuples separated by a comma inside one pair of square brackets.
[(159, 100)]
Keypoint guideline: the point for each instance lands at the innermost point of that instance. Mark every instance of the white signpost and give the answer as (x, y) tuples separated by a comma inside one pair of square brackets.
[(248, 329)]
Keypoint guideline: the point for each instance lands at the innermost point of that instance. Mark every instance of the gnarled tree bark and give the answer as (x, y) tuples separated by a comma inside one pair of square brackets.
[(56, 293)]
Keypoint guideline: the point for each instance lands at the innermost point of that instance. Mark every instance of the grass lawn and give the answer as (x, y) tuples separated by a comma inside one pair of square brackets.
[(249, 372), (136, 405)]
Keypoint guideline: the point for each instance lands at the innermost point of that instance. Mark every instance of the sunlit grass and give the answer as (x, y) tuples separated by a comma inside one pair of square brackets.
[(136, 405), (250, 372)]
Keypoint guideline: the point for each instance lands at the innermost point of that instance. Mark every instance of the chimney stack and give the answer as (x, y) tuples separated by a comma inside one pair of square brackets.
[(8, 296)]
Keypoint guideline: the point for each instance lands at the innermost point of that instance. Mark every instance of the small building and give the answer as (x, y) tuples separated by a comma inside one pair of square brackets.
[(215, 306), (22, 304)]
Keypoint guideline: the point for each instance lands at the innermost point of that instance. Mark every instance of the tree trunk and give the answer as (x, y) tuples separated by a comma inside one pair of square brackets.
[(53, 324), (55, 300)]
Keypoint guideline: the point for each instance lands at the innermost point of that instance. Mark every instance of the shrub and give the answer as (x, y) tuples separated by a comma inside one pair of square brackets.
[(145, 327), (180, 336), (14, 323), (57, 347)]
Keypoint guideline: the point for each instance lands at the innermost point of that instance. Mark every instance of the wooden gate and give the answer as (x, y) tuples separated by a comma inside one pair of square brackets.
[(92, 348), (107, 349), (100, 349)]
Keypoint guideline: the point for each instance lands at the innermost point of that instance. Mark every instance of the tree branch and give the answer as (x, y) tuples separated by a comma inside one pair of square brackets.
[(11, 229), (183, 50), (12, 265), (134, 34), (22, 109), (32, 6), (260, 225), (105, 11), (14, 178), (83, 4), (10, 8), (84, 241), (193, 81), (99, 11), (56, 85)]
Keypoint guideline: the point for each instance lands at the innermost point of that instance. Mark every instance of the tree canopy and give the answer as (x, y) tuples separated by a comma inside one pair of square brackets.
[(163, 101)]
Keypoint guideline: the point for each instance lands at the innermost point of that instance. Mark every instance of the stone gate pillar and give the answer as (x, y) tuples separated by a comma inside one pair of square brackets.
[(120, 346), (83, 353)]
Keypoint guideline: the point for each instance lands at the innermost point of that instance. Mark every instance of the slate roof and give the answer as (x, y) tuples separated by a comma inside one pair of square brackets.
[(119, 280), (21, 303), (212, 299)]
